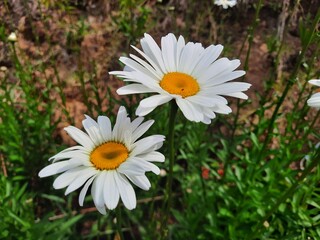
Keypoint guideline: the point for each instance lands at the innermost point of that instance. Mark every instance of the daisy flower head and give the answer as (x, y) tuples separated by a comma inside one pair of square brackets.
[(185, 72), (314, 100), (108, 159), (12, 37), (225, 3)]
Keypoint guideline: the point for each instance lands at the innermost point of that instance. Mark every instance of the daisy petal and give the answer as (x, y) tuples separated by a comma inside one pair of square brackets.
[(57, 168), (126, 191), (142, 111), (141, 130), (134, 89), (79, 137), (140, 181), (152, 156), (315, 82), (84, 191), (154, 101), (97, 191), (110, 192), (67, 177), (81, 179), (146, 144), (105, 127)]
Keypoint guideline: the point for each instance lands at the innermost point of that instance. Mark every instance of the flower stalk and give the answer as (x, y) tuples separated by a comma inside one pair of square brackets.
[(168, 194), (119, 222)]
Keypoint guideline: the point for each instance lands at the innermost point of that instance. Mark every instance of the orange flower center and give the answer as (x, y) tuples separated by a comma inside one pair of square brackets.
[(180, 84), (109, 155)]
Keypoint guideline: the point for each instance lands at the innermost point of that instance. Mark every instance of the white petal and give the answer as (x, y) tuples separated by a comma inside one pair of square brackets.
[(134, 88), (237, 95), (110, 192), (127, 139), (314, 100), (155, 64), (70, 150), (142, 111), (67, 177), (147, 80), (92, 128), (149, 70), (186, 58), (154, 101), (209, 55), (140, 181), (223, 78), (79, 137), (135, 123), (153, 51), (194, 58), (144, 67), (168, 47), (105, 128), (152, 156), (206, 119), (141, 130), (146, 144), (148, 166), (81, 179), (126, 191), (315, 82), (131, 167), (122, 123), (137, 166), (101, 209), (84, 190), (80, 154), (97, 191), (58, 167), (201, 100), (222, 108), (214, 69), (230, 88), (180, 45), (189, 110), (208, 113)]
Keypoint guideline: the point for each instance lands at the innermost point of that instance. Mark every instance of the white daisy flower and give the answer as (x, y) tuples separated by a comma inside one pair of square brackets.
[(107, 158), (314, 100), (187, 73), (225, 3), (12, 37)]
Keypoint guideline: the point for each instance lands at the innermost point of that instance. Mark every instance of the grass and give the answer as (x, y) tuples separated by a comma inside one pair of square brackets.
[(245, 176)]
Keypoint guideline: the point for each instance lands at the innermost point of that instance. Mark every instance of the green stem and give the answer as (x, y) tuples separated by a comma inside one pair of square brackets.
[(168, 195), (289, 192), (119, 228)]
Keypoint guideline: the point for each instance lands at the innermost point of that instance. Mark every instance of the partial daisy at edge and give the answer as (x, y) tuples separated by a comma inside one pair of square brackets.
[(188, 73), (107, 160), (314, 100), (225, 3)]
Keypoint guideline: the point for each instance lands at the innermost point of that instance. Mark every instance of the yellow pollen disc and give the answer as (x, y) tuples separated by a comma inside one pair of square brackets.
[(109, 155), (180, 84)]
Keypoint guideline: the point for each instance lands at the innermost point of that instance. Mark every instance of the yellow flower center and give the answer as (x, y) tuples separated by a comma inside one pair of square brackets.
[(109, 155), (180, 84)]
